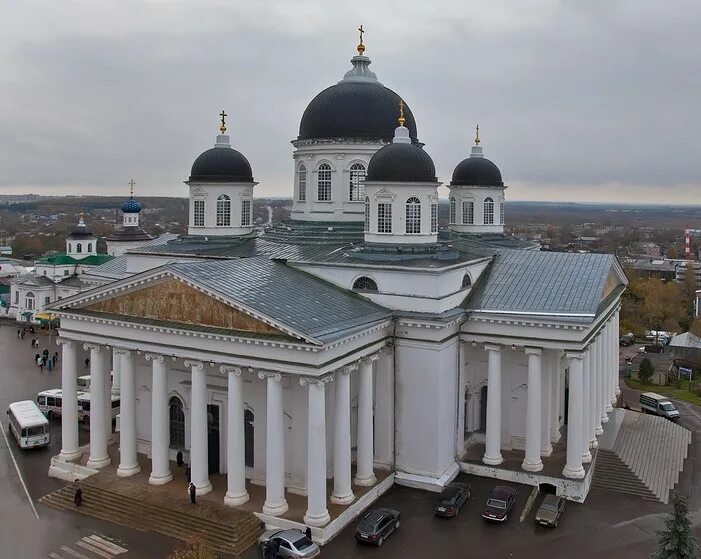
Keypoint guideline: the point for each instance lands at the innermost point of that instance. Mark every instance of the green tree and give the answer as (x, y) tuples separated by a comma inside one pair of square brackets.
[(664, 305), (645, 371), (676, 541)]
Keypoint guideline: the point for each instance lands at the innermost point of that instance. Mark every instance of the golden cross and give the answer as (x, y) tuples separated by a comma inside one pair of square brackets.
[(223, 116), (477, 137), (131, 187), (361, 34), (401, 118)]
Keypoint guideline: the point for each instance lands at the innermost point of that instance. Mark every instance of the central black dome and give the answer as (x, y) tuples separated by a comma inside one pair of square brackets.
[(400, 162), (349, 109), (221, 164), (477, 171)]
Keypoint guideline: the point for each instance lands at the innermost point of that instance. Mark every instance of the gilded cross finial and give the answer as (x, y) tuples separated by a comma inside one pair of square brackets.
[(223, 116), (361, 46), (401, 118), (477, 136), (131, 188)]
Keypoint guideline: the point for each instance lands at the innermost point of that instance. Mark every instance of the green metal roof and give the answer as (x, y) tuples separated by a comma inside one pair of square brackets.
[(62, 259)]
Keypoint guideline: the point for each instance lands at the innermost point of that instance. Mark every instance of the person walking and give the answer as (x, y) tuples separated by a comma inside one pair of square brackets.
[(87, 362), (179, 458), (19, 333), (308, 532), (271, 549), (193, 492), (78, 498)]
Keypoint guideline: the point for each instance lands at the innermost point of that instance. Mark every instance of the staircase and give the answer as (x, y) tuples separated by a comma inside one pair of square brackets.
[(612, 474), (232, 538)]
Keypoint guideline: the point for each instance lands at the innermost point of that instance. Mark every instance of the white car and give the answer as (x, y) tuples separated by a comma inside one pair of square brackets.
[(293, 543)]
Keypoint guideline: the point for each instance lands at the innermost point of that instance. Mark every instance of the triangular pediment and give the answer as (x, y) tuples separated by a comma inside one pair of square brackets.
[(174, 301), (385, 193)]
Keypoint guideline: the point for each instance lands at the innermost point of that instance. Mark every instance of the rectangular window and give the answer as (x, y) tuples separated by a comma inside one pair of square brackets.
[(17, 297), (452, 210), (47, 300), (198, 217), (413, 216), (434, 218), (367, 214), (384, 218), (66, 272), (324, 183), (29, 304), (302, 193), (501, 213), (357, 184), (468, 213), (245, 212)]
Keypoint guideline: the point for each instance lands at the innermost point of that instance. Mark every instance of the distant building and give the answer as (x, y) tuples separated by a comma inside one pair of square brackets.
[(5, 251), (680, 271), (649, 249), (697, 303), (129, 235), (661, 268)]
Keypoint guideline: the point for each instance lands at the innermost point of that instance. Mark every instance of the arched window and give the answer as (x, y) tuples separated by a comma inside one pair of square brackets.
[(434, 218), (223, 211), (302, 183), (89, 247), (384, 217), (466, 281), (365, 284), (245, 212), (488, 211), (468, 213), (177, 423), (452, 210), (501, 212), (413, 215), (357, 182), (323, 183), (367, 213), (79, 247), (29, 301)]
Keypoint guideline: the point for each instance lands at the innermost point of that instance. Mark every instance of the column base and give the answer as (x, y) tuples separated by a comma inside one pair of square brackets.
[(69, 455), (317, 520), (547, 451), (236, 499), (531, 465), (203, 489), (573, 472), (276, 509), (586, 457), (365, 481), (128, 471), (160, 479), (492, 460), (345, 499), (98, 463)]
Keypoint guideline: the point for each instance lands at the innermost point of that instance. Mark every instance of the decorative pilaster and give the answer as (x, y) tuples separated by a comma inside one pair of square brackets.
[(236, 493), (275, 502)]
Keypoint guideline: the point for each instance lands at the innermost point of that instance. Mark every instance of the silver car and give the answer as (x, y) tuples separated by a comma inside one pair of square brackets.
[(293, 543)]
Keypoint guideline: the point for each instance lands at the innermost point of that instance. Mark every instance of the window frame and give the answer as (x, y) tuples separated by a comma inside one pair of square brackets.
[(357, 173), (412, 225), (468, 212), (302, 183), (198, 213), (359, 284), (223, 211), (434, 217), (488, 209), (323, 170), (384, 217), (367, 214), (453, 214), (246, 211)]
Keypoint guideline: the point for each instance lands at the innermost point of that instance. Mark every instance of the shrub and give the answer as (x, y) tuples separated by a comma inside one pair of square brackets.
[(646, 370)]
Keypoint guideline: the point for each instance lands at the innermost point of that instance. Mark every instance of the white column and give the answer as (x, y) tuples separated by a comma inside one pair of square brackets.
[(532, 462), (69, 403), (116, 371), (603, 376), (107, 408), (608, 370), (598, 429), (342, 489), (236, 493), (548, 408), (616, 353), (573, 468), (160, 423), (593, 414), (364, 473), (462, 364), (98, 430), (199, 448), (275, 503), (587, 433), (128, 464), (557, 397), (384, 408), (317, 513), (492, 451)]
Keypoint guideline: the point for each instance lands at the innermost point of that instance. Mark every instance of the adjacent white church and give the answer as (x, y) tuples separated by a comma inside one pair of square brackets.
[(355, 343)]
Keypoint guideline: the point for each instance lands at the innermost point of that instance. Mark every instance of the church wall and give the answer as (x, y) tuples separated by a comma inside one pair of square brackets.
[(209, 192), (120, 247)]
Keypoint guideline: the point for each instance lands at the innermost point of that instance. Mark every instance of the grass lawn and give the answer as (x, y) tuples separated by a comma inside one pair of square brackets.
[(671, 391)]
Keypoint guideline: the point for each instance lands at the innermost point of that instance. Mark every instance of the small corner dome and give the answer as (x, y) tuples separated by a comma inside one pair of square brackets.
[(476, 171), (131, 206), (81, 231), (401, 162), (221, 164)]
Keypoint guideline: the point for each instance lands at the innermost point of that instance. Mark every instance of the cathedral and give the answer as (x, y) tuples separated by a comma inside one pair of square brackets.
[(356, 345)]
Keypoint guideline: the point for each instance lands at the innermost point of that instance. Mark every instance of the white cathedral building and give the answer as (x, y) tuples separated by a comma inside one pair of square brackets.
[(356, 344)]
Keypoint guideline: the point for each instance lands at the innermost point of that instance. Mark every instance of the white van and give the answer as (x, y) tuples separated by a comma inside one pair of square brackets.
[(658, 405), (84, 406), (29, 426), (84, 382), (50, 402)]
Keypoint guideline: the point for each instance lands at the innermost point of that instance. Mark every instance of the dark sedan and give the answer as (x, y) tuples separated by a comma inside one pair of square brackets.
[(377, 525), (453, 496), (499, 503), (550, 511)]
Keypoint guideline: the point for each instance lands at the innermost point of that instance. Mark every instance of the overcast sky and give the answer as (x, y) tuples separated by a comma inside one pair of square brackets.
[(593, 100)]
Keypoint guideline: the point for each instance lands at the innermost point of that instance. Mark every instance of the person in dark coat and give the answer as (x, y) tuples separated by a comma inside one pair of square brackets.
[(308, 532), (272, 549), (87, 362), (179, 458), (78, 498), (193, 492), (187, 474)]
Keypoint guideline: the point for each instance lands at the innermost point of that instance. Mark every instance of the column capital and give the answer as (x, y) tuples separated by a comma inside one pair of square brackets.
[(492, 347), (575, 355), (275, 376), (318, 381), (64, 341), (533, 351), (347, 369), (370, 358), (156, 358), (122, 351), (238, 371), (93, 347), (194, 364)]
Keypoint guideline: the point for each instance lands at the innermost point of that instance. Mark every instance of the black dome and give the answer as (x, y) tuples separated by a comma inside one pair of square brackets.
[(221, 164), (350, 109), (477, 171), (401, 162)]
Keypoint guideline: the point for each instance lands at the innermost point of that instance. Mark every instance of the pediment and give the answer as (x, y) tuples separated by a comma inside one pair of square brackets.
[(174, 301), (384, 193)]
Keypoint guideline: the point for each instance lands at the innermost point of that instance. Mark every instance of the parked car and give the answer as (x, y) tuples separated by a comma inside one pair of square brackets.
[(653, 348), (658, 405), (499, 503), (377, 525), (550, 511), (293, 543), (453, 496), (626, 340)]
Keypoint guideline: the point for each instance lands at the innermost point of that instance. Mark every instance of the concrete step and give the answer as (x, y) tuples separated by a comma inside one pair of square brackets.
[(612, 474), (232, 538)]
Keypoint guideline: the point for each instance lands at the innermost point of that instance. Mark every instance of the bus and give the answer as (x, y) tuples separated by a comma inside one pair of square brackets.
[(50, 402), (29, 426), (84, 406), (84, 382)]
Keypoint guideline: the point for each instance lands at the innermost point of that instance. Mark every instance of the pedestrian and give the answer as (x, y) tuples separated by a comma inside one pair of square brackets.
[(54, 357), (308, 532), (78, 498), (49, 362), (271, 549), (41, 365), (179, 458), (23, 331), (187, 473), (45, 352), (193, 492), (87, 362), (19, 333), (36, 358)]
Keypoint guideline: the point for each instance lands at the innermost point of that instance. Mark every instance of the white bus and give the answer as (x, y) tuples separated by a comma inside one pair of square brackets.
[(50, 402), (84, 406), (84, 382), (29, 426)]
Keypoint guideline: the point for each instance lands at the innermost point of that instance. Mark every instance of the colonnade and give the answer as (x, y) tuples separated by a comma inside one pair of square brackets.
[(593, 389), (236, 494)]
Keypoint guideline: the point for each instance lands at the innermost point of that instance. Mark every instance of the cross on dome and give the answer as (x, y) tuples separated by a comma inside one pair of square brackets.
[(477, 137), (223, 116), (401, 118), (361, 46)]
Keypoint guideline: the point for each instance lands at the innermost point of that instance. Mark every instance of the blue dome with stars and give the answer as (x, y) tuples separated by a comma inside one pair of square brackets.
[(131, 206)]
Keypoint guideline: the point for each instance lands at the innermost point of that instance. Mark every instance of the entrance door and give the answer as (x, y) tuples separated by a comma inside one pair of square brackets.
[(483, 409), (213, 437)]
